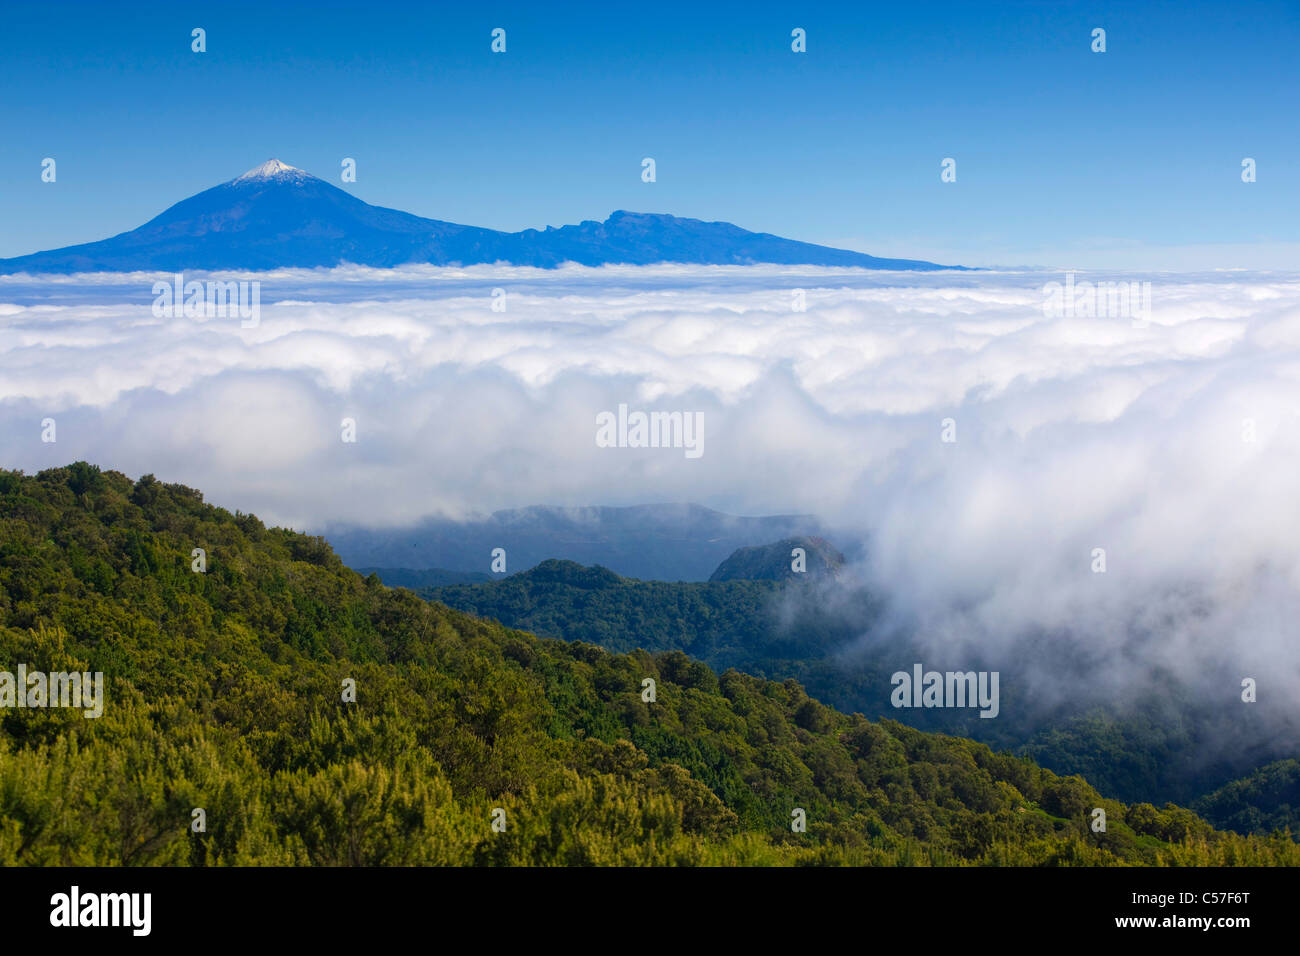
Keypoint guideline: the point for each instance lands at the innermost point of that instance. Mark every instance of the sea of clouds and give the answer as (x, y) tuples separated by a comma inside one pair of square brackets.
[(1174, 444)]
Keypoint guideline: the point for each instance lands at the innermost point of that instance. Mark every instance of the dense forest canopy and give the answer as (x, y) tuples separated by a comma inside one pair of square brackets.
[(827, 635), (225, 692)]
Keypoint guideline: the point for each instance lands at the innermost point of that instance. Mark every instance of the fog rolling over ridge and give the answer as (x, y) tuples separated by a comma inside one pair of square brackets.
[(1171, 444)]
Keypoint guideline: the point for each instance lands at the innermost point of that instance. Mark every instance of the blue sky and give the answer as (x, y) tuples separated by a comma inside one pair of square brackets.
[(1065, 157)]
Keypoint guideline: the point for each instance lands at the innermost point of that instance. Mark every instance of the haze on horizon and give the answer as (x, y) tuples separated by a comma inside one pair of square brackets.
[(1066, 158)]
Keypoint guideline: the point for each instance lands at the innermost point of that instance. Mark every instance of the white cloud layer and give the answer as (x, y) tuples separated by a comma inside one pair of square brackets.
[(1072, 433)]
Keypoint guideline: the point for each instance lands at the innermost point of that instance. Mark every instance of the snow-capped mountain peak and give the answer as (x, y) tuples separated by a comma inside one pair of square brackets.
[(271, 169), (276, 216)]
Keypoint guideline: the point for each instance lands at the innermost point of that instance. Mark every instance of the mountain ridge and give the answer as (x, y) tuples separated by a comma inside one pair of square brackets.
[(223, 692), (278, 216)]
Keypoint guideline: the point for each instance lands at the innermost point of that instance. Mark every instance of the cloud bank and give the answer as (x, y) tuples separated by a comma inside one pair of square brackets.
[(1171, 444)]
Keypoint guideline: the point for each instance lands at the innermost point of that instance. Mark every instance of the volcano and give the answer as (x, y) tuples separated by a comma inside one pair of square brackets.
[(277, 216)]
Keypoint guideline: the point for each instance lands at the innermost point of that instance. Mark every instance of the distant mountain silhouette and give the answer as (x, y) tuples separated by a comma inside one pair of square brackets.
[(277, 216), (666, 542)]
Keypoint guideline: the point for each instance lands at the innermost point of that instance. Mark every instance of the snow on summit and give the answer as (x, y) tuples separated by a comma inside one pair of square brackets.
[(277, 216), (270, 169)]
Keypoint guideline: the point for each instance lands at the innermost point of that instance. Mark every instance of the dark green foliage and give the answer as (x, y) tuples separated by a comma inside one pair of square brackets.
[(224, 692), (748, 625), (775, 562), (1158, 748), (1262, 802)]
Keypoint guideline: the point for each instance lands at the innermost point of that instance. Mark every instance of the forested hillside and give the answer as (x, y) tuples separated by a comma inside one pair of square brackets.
[(1261, 802), (225, 692), (772, 629), (781, 561), (823, 635)]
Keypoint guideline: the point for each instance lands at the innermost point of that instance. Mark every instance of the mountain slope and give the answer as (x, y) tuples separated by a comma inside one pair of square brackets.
[(277, 216), (725, 625), (775, 562), (425, 577), (1261, 802), (834, 638), (270, 217), (224, 695)]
